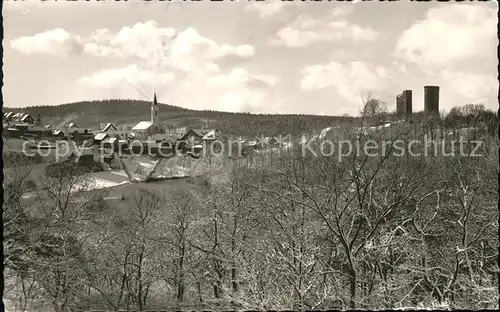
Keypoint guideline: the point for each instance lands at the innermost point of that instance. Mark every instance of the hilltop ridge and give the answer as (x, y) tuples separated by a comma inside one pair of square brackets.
[(126, 113)]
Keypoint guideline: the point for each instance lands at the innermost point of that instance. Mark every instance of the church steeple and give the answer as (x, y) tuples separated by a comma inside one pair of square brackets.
[(155, 109)]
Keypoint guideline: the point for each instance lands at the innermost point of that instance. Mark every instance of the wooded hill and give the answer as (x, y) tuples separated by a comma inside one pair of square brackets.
[(126, 113)]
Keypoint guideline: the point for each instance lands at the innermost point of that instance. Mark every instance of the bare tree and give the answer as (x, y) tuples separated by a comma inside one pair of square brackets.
[(178, 224), (18, 238), (373, 108)]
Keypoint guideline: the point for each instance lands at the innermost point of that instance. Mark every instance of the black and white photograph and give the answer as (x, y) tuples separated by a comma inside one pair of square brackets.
[(250, 155)]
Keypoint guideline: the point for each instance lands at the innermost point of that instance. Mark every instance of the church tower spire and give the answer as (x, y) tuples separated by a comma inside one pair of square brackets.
[(155, 109)]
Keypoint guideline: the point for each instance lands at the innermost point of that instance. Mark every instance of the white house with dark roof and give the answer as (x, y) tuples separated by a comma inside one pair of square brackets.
[(143, 126)]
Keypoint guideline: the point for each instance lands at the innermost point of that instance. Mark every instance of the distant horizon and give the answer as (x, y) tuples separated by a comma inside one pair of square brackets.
[(389, 111)]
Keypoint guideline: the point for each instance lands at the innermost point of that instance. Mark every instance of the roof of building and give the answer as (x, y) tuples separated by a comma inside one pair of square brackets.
[(9, 114), (109, 140), (211, 134), (143, 125), (72, 125), (25, 117), (56, 132), (100, 136), (164, 137), (200, 132), (108, 126)]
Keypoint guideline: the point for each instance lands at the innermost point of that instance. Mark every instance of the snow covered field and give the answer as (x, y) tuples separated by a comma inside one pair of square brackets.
[(106, 179)]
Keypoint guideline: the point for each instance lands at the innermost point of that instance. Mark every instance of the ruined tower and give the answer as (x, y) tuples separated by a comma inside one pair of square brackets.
[(404, 106), (408, 104), (431, 101), (400, 105)]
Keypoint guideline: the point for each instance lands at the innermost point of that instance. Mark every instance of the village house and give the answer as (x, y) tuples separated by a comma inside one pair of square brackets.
[(85, 156), (71, 128), (78, 134), (12, 132), (34, 130), (27, 119), (111, 143), (15, 117), (195, 136), (23, 118), (213, 135), (179, 132), (19, 121), (112, 131), (8, 116), (57, 133), (107, 127), (99, 137)]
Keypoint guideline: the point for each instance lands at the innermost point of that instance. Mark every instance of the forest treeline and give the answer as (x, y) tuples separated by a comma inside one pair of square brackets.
[(126, 113), (129, 112)]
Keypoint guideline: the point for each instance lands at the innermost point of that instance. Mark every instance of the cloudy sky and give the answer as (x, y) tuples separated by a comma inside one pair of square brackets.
[(270, 57)]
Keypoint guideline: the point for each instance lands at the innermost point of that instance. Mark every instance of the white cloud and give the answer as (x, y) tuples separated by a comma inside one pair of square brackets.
[(53, 42), (142, 40), (266, 9), (351, 81), (238, 90), (187, 50), (306, 30), (454, 47), (272, 9), (241, 77), (242, 100), (148, 42), (341, 11), (109, 78), (467, 88), (232, 102), (190, 51), (449, 35), (236, 77)]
